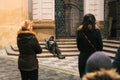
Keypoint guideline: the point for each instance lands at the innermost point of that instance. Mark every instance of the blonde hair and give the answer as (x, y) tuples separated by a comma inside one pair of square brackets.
[(111, 74), (27, 24)]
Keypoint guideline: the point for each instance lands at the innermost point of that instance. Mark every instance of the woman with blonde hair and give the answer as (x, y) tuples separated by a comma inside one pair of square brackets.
[(28, 46)]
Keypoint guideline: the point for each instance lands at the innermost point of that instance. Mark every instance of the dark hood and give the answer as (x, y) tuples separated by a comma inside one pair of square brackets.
[(25, 36)]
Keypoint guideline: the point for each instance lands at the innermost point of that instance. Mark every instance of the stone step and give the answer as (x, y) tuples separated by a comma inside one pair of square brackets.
[(112, 45), (60, 43), (74, 40), (68, 48), (63, 49), (107, 43), (109, 49), (66, 40), (111, 41), (47, 54), (15, 48), (111, 55)]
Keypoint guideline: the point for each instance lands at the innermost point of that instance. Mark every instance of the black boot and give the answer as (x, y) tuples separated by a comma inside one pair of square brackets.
[(61, 56), (58, 52), (55, 54)]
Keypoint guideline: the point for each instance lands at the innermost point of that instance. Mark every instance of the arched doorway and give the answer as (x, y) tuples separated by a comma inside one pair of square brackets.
[(67, 18), (112, 19)]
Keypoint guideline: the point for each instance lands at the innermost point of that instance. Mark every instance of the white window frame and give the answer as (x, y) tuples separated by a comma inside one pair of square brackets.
[(95, 7), (43, 10)]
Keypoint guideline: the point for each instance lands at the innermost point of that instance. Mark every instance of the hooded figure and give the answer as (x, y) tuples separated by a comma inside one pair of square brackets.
[(99, 67), (53, 48), (97, 61)]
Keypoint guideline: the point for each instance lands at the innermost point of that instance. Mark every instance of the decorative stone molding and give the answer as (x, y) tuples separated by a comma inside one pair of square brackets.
[(43, 24), (44, 29)]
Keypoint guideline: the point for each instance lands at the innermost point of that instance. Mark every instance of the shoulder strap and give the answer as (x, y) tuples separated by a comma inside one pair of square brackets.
[(89, 41)]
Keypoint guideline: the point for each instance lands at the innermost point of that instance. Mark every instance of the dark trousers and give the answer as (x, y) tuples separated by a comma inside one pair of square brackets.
[(82, 64), (29, 75), (55, 50), (81, 67)]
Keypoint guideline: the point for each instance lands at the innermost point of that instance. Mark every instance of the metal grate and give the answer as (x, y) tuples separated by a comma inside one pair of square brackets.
[(60, 17), (67, 17)]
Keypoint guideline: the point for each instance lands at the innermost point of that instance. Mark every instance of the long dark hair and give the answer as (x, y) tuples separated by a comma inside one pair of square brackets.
[(88, 20)]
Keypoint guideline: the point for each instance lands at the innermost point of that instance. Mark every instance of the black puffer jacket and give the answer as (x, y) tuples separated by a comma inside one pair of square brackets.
[(28, 47)]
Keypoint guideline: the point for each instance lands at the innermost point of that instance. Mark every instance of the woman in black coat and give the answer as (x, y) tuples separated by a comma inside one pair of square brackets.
[(28, 47), (88, 45)]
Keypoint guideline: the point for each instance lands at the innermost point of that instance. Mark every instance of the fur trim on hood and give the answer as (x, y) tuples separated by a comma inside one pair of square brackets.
[(26, 31), (102, 75)]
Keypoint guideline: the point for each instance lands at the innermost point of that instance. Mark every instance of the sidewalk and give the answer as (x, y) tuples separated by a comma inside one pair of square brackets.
[(50, 68)]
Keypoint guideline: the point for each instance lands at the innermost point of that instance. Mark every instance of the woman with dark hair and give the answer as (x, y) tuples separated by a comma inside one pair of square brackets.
[(88, 40)]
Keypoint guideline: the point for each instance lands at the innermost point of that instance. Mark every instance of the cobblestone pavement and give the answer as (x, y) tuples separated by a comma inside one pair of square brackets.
[(68, 64), (50, 68)]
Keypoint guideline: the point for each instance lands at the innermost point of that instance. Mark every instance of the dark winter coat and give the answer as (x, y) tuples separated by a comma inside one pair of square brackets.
[(49, 44), (116, 62), (28, 47), (85, 48)]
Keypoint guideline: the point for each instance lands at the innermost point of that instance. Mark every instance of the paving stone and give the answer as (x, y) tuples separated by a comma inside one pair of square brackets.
[(68, 64), (9, 69)]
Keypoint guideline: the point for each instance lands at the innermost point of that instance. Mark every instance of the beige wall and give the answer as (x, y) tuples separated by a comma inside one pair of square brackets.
[(95, 7), (44, 16), (44, 29), (12, 12)]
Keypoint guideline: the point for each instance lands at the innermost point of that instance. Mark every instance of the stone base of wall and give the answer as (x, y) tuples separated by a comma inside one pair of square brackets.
[(8, 34), (44, 29)]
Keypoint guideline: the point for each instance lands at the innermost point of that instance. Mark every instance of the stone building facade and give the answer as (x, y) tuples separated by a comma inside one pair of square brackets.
[(12, 12), (57, 17), (112, 19)]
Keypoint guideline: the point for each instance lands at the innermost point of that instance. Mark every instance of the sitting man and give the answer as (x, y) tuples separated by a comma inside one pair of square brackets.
[(52, 46)]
